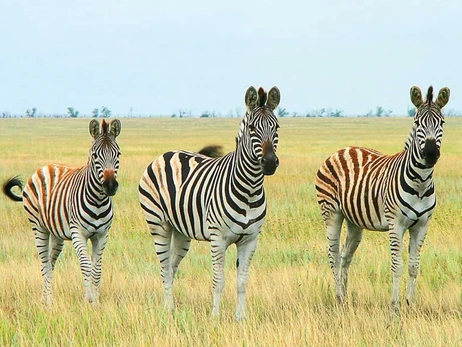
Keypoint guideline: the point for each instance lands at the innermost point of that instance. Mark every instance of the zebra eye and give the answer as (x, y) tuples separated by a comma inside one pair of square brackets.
[(251, 127), (417, 123), (442, 121)]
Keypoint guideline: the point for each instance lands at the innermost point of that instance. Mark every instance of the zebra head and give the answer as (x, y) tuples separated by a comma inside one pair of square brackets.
[(104, 153), (259, 128), (428, 123)]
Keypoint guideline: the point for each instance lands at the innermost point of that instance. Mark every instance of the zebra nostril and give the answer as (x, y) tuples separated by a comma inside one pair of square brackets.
[(263, 161)]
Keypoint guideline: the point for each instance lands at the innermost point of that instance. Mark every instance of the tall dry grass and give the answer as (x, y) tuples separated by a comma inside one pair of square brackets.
[(290, 294)]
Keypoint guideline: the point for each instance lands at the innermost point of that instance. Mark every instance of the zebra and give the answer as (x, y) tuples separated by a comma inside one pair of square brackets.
[(187, 196), (393, 193), (65, 203)]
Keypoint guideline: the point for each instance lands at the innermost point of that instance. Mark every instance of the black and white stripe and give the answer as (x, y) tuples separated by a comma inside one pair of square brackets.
[(387, 193), (74, 204), (187, 195)]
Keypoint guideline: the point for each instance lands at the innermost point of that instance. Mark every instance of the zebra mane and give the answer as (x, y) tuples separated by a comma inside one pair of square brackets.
[(430, 95), (104, 127), (262, 97)]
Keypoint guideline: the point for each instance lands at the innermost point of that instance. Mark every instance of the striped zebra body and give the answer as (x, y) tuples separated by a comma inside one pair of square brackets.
[(74, 204), (391, 193), (187, 196)]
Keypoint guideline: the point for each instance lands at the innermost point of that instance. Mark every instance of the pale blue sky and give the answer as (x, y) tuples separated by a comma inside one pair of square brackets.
[(161, 56)]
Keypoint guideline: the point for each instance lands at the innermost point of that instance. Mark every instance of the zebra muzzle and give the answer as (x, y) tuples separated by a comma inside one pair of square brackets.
[(431, 152), (110, 184), (269, 161)]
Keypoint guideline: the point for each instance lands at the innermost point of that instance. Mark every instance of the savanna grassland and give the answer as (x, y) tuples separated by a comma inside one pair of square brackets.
[(290, 296)]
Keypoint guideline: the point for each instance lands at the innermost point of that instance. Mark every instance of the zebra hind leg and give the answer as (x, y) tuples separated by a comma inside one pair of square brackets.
[(353, 239), (179, 247), (162, 234), (56, 246), (334, 227), (42, 241)]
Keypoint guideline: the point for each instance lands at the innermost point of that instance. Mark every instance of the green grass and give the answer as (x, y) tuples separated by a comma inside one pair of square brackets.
[(290, 294)]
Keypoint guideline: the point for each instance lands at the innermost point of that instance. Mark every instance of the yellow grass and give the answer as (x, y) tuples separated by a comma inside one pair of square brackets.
[(290, 292)]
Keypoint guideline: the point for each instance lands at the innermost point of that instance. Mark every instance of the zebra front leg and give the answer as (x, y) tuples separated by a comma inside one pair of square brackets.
[(353, 239), (98, 243), (42, 241), (334, 228), (245, 250), (417, 237), (396, 233), (162, 243), (80, 245), (218, 250)]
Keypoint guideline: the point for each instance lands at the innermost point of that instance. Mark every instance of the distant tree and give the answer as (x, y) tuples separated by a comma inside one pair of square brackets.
[(452, 113), (105, 112), (336, 113), (208, 114), (31, 113), (411, 112), (282, 112), (72, 113), (381, 112), (95, 113)]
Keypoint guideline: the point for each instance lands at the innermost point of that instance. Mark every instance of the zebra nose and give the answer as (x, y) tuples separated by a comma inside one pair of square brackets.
[(110, 186), (431, 152)]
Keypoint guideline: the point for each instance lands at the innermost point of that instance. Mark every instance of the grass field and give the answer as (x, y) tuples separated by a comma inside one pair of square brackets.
[(290, 296)]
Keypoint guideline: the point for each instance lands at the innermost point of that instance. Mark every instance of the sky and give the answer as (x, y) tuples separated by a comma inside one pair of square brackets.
[(145, 57)]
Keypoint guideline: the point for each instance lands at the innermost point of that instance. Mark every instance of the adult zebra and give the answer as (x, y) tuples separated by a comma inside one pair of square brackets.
[(385, 193), (74, 204), (187, 195)]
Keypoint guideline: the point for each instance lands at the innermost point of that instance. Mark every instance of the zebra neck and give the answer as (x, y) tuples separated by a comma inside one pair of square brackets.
[(93, 188), (247, 174), (421, 176)]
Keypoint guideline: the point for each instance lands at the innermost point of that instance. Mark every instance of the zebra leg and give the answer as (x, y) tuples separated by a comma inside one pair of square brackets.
[(245, 250), (334, 228), (353, 239), (42, 241), (218, 250), (179, 248), (57, 245), (162, 241), (98, 243), (417, 237), (80, 246), (396, 233)]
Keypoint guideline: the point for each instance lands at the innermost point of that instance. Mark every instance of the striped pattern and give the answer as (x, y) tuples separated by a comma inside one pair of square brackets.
[(187, 195), (74, 204), (386, 193)]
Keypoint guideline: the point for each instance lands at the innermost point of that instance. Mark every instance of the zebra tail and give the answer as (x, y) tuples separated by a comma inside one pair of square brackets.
[(9, 185), (212, 151)]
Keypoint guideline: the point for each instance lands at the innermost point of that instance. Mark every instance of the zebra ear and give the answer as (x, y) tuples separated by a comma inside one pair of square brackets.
[(115, 128), (251, 98), (274, 97), (94, 128), (416, 96), (443, 97)]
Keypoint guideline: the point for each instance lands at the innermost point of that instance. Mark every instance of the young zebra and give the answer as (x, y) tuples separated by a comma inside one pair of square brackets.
[(74, 204), (385, 193), (188, 196)]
